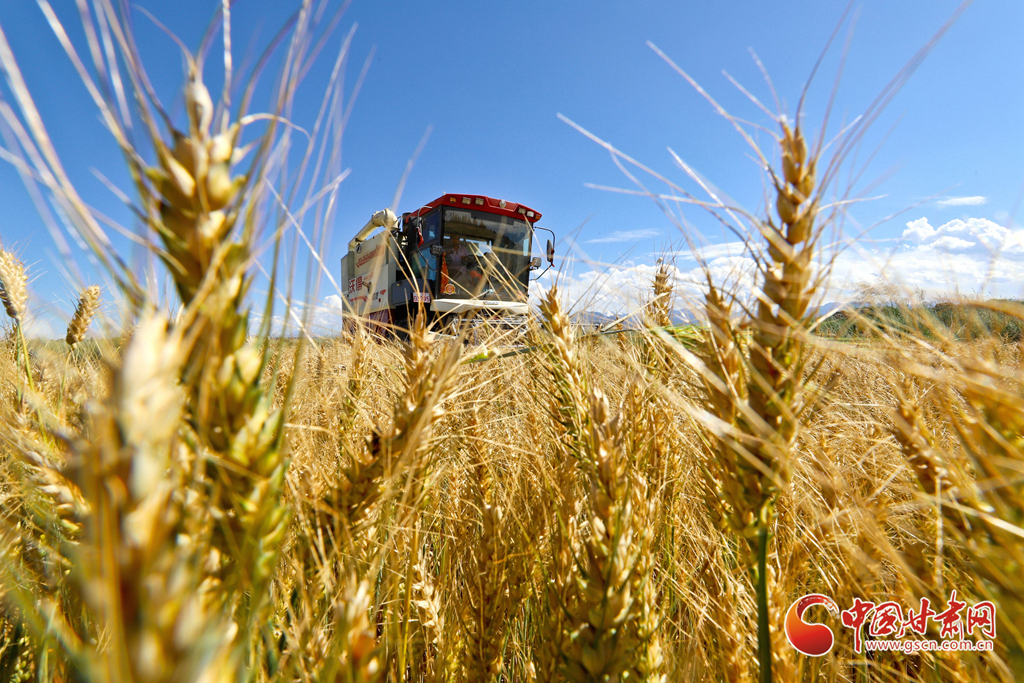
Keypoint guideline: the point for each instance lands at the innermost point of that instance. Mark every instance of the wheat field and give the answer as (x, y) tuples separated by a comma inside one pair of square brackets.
[(197, 498)]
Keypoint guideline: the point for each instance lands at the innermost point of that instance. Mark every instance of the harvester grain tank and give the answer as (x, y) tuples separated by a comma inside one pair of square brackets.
[(460, 255)]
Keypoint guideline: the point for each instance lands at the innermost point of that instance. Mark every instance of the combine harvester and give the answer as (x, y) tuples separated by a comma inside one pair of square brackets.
[(459, 257)]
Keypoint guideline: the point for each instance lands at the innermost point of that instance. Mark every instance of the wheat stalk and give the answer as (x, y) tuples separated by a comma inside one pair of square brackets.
[(360, 662), (777, 358), (494, 586), (759, 400), (567, 415), (612, 635), (142, 589), (729, 637), (431, 619), (776, 355), (728, 479), (193, 200)]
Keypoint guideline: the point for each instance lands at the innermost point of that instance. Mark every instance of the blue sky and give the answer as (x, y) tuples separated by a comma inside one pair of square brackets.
[(488, 79)]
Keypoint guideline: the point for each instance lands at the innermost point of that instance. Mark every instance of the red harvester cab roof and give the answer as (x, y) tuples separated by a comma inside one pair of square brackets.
[(481, 203)]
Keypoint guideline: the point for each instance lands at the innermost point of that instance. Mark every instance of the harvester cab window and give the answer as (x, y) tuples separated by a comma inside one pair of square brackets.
[(431, 227), (485, 256)]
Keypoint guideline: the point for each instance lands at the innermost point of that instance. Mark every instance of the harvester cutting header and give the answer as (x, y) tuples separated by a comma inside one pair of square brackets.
[(458, 255)]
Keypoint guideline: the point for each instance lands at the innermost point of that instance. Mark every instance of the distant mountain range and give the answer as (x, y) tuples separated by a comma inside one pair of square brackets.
[(600, 319), (678, 317)]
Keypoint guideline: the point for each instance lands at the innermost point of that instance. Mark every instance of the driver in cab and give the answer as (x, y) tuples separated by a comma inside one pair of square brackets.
[(462, 262)]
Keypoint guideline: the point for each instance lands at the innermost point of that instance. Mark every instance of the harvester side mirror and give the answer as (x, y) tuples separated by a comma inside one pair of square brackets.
[(415, 227), (436, 250), (550, 251), (535, 263)]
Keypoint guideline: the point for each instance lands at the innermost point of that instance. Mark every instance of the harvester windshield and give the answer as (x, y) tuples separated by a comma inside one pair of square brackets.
[(486, 256)]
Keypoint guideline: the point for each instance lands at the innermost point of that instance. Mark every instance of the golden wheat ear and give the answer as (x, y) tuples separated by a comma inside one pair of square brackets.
[(14, 295), (661, 304), (133, 573), (13, 285), (568, 403), (494, 582), (612, 623), (88, 304)]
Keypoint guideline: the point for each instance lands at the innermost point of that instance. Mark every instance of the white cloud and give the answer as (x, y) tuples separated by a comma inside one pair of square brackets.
[(982, 257), (625, 236), (950, 242), (962, 201), (973, 255), (619, 290), (995, 237), (919, 229), (955, 225), (990, 234), (710, 252)]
